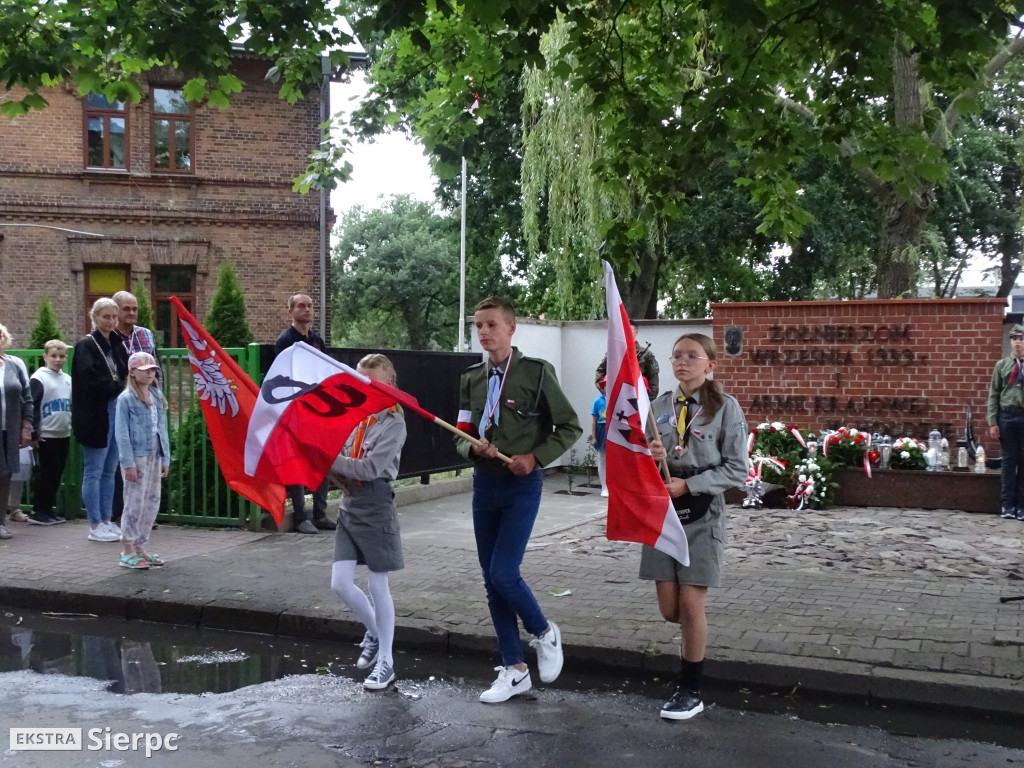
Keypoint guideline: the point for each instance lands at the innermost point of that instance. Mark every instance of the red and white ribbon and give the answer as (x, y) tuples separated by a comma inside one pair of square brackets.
[(801, 494), (799, 438)]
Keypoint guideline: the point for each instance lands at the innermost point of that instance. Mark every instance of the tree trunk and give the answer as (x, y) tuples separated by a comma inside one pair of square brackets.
[(640, 291), (898, 255), (1010, 244)]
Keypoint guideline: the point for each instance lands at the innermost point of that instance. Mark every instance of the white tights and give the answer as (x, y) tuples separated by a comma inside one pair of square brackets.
[(379, 616)]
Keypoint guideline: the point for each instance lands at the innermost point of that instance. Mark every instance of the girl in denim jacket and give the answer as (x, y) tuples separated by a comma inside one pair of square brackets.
[(142, 442)]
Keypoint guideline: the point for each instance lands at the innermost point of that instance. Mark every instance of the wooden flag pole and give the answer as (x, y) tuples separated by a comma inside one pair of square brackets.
[(466, 436), (663, 464)]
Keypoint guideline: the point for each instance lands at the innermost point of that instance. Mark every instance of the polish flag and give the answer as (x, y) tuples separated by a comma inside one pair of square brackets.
[(639, 507)]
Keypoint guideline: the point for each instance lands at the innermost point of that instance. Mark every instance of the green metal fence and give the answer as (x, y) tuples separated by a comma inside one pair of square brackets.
[(195, 491)]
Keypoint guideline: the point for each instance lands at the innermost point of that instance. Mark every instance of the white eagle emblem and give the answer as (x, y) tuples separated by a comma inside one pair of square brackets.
[(211, 383)]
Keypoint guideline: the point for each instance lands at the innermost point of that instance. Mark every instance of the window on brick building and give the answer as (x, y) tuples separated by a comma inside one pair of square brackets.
[(171, 281), (103, 280), (172, 131), (106, 132)]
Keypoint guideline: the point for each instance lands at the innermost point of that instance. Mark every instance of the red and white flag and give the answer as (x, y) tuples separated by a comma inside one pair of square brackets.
[(639, 507), (308, 406), (227, 396)]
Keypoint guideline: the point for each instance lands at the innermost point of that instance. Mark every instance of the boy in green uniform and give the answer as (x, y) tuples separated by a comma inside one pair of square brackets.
[(514, 405), (1005, 416)]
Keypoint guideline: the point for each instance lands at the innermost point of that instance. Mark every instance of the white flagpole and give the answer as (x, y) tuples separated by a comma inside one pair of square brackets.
[(462, 266)]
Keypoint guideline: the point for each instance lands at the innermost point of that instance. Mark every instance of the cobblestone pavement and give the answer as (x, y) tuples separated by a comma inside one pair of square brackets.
[(891, 603), (871, 540)]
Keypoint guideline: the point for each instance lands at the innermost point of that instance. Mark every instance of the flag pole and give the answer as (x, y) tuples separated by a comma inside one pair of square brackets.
[(466, 436), (462, 266), (663, 464)]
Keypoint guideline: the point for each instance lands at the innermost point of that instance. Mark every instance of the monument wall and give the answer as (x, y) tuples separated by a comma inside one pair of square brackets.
[(901, 367)]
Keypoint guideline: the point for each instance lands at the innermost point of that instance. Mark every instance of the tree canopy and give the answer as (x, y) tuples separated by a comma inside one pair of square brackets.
[(394, 285), (874, 90)]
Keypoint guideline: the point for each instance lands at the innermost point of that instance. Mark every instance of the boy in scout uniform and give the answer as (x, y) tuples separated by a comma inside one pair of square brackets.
[(1005, 416), (514, 405)]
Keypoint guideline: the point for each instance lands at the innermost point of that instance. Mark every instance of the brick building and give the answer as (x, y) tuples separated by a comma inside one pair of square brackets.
[(175, 188)]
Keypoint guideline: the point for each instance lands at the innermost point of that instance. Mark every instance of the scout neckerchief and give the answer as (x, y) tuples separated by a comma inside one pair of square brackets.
[(357, 444), (684, 417), (1017, 374), (491, 407)]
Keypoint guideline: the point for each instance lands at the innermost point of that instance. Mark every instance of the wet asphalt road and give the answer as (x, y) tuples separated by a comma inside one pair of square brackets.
[(315, 720)]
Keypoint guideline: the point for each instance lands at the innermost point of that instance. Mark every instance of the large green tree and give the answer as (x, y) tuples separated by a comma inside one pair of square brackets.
[(878, 84), (395, 272)]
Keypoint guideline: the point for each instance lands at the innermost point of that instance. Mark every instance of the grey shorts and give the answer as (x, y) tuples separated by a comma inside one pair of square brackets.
[(367, 529), (705, 538)]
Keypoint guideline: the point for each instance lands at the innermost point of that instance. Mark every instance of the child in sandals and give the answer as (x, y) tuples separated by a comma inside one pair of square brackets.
[(140, 429)]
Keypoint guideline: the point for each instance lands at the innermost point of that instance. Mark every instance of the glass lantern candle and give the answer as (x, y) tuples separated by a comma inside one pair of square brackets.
[(885, 452)]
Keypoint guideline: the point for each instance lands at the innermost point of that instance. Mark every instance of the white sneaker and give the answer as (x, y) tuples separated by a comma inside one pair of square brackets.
[(113, 528), (511, 682), (100, 533), (549, 653)]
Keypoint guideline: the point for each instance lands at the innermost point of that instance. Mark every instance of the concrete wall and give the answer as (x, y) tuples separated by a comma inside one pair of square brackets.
[(576, 348)]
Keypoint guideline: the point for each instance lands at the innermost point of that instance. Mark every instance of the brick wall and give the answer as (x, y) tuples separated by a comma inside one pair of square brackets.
[(897, 367), (238, 205)]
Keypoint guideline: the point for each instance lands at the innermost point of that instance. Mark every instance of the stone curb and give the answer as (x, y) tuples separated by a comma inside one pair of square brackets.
[(981, 695)]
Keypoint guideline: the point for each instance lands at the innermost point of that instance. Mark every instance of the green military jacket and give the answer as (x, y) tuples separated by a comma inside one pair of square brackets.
[(999, 394), (534, 415)]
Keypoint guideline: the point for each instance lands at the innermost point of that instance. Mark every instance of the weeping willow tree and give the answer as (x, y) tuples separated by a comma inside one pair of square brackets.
[(568, 207)]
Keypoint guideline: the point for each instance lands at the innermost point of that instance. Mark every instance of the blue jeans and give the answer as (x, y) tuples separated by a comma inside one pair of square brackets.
[(98, 468), (1011, 441), (504, 510)]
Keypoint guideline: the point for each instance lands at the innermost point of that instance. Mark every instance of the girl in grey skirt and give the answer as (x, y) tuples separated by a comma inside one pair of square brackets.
[(702, 434), (367, 531)]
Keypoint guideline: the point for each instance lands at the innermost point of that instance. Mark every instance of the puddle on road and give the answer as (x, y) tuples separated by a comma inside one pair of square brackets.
[(135, 656)]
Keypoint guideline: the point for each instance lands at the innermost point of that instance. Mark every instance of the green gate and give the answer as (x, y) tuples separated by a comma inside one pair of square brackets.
[(195, 492)]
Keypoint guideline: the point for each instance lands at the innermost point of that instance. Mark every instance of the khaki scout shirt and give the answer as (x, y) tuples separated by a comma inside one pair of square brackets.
[(545, 426), (715, 456), (1001, 396)]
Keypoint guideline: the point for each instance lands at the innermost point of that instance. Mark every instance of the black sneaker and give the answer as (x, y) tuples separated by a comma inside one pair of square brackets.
[(325, 524), (683, 705), (1020, 513), (1009, 513), (44, 518)]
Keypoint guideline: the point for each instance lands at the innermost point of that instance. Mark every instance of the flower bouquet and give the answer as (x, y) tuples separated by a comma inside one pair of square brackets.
[(908, 453), (845, 447), (811, 483), (775, 440)]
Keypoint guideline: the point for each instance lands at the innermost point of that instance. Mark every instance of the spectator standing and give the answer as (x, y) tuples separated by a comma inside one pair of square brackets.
[(135, 338), (597, 431), (144, 450), (300, 308), (15, 421), (51, 396), (99, 370)]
